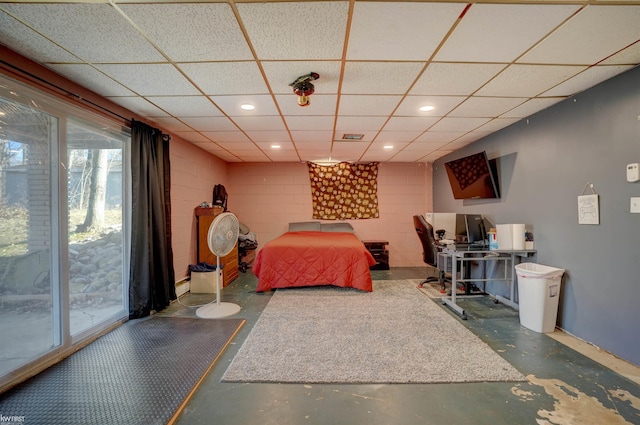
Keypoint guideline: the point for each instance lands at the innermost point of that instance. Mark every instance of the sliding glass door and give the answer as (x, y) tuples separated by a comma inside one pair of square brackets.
[(95, 205), (63, 228), (29, 292)]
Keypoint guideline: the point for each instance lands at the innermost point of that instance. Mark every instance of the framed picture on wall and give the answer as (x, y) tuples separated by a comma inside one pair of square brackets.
[(588, 209)]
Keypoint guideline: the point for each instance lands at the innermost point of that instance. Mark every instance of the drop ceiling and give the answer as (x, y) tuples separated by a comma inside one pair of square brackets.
[(187, 67)]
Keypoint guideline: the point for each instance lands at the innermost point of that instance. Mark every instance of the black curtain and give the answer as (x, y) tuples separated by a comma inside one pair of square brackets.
[(151, 277)]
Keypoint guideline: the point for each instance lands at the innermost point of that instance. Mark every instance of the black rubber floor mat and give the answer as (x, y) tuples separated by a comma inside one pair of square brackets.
[(140, 373)]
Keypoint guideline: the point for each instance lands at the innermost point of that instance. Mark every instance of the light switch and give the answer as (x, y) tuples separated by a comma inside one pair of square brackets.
[(635, 205)]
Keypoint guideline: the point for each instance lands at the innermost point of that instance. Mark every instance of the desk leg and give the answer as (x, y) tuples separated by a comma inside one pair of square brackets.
[(451, 301), (512, 290)]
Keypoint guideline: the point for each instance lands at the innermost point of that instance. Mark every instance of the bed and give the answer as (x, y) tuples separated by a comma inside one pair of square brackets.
[(317, 257)]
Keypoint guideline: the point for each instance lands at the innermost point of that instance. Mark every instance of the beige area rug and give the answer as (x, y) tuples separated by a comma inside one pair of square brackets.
[(394, 334)]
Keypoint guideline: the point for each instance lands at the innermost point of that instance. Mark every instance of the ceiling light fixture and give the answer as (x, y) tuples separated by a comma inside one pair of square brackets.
[(388, 146), (303, 88), (247, 107), (427, 108), (275, 146)]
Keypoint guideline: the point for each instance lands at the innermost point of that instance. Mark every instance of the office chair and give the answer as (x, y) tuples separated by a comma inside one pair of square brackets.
[(429, 250)]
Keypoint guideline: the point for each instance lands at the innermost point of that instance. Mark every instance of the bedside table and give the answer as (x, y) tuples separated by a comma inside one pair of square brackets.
[(378, 248)]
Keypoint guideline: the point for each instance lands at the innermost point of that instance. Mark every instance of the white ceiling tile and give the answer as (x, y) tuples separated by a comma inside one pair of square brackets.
[(412, 32), (374, 155), (455, 78), (375, 88), (397, 136), (419, 124), (271, 26), (150, 79), (349, 146), (356, 105), (358, 124), (589, 78), (320, 105), (531, 107), (231, 105), (628, 56), (269, 136), (442, 105), (316, 137), (501, 32), (314, 154), (227, 156), (29, 43), (282, 156), (94, 32), (379, 77), (469, 138), (210, 123), (528, 80), (424, 146), (92, 79), (171, 124), (458, 124), (283, 146), (209, 146), (226, 136), (589, 37), (209, 29), (439, 137), (486, 106), (496, 124), (185, 106), (310, 122), (222, 78), (138, 105), (192, 136), (240, 147), (259, 123), (461, 143)]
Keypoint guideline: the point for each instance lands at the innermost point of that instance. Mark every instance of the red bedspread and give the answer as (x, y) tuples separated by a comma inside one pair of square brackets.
[(297, 259)]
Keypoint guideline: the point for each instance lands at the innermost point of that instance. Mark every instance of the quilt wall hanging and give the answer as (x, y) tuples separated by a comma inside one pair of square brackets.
[(344, 191)]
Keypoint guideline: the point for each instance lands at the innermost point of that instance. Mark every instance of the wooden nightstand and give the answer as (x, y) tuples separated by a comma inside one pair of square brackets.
[(378, 249), (229, 263)]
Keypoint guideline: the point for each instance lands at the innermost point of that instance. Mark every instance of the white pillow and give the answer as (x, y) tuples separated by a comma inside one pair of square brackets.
[(305, 226), (337, 227)]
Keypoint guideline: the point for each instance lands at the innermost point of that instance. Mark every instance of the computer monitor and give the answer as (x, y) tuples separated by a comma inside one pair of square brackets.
[(470, 228), (476, 232)]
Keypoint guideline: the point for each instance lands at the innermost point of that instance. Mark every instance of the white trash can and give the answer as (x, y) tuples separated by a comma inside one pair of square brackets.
[(538, 294)]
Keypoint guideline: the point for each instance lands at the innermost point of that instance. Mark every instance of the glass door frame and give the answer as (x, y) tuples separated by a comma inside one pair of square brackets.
[(63, 343)]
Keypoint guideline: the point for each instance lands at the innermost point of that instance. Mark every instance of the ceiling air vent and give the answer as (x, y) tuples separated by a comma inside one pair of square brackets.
[(349, 136)]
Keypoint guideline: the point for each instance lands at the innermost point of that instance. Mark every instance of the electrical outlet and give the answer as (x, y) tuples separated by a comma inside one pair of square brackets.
[(635, 205)]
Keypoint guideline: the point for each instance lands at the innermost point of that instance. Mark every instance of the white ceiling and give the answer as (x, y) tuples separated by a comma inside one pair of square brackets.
[(188, 66)]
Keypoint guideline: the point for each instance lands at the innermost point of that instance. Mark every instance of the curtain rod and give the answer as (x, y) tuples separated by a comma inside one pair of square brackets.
[(66, 91)]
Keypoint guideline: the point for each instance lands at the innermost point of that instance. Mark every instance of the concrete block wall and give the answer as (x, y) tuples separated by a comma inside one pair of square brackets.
[(267, 196)]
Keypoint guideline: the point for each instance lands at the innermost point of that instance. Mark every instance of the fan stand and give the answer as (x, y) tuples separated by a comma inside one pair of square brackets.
[(219, 309)]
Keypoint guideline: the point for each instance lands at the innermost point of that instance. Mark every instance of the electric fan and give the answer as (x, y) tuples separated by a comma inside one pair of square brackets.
[(222, 236)]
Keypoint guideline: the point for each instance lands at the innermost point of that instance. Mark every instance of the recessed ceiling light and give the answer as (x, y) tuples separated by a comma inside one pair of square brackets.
[(275, 146), (427, 108), (247, 107), (388, 146)]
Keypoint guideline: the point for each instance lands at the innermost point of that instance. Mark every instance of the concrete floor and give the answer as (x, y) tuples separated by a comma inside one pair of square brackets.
[(564, 386)]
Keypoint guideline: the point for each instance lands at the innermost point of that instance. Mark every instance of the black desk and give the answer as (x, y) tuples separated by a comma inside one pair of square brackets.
[(460, 255)]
